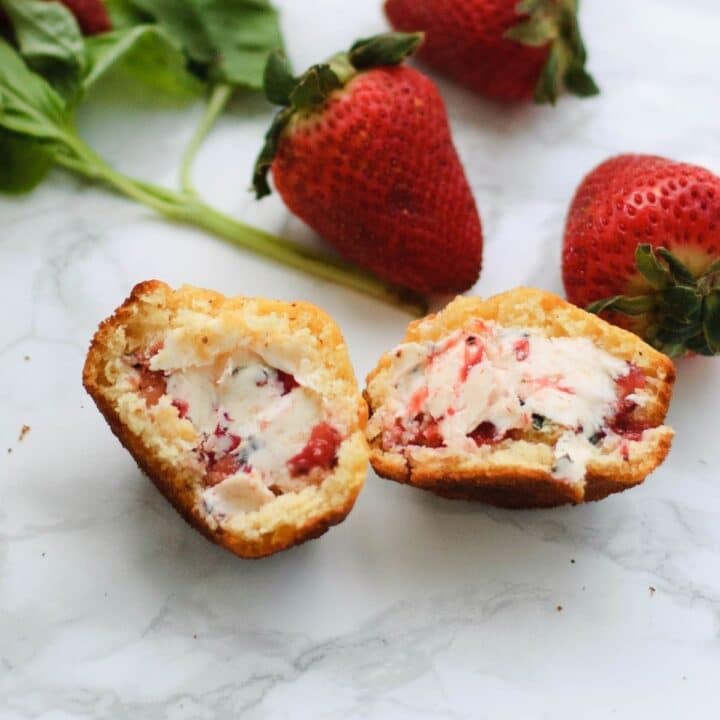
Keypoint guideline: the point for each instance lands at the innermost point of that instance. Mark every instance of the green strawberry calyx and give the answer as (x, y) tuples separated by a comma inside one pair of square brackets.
[(554, 23), (308, 92), (683, 311)]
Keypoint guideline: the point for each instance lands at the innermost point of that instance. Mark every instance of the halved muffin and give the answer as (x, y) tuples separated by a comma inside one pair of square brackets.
[(244, 412), (521, 400)]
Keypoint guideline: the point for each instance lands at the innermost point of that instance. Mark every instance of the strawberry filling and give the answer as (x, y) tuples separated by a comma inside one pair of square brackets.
[(151, 385), (489, 384), (259, 429), (427, 432), (182, 407), (320, 451), (625, 422), (288, 381), (522, 349), (486, 434), (219, 470)]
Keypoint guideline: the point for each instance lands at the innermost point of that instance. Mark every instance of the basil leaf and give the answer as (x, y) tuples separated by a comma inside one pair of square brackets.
[(50, 41), (148, 54), (229, 39), (24, 163), (29, 105), (123, 14)]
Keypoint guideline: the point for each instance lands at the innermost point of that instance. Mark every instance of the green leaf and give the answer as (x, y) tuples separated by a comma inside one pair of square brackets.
[(50, 41), (684, 304), (267, 154), (278, 80), (146, 53), (651, 268), (698, 344), (314, 87), (536, 32), (546, 90), (123, 14), (229, 39), (28, 105), (555, 23), (679, 334), (23, 163), (679, 272), (710, 279), (579, 82), (386, 49), (711, 321), (527, 7), (638, 305)]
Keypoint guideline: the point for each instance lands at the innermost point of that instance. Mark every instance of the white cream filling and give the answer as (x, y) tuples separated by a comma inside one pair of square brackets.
[(242, 408), (568, 381)]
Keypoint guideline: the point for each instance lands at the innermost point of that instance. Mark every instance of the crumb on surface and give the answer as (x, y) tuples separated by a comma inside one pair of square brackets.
[(652, 590), (24, 430), (559, 608), (27, 358), (572, 561), (9, 450)]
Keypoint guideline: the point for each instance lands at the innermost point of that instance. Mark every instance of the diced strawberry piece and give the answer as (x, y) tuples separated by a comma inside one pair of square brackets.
[(288, 381), (182, 407), (485, 434), (228, 442), (152, 385), (634, 380), (624, 423), (431, 435), (154, 349), (320, 451), (522, 349), (218, 470)]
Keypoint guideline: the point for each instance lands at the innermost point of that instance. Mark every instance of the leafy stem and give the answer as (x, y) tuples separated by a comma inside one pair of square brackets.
[(187, 208), (219, 98)]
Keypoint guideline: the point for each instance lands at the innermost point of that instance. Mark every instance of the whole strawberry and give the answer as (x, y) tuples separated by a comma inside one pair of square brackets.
[(503, 49), (362, 153), (643, 242)]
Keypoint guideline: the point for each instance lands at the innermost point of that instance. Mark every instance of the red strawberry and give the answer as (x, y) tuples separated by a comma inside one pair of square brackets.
[(92, 15), (643, 240), (503, 49), (362, 153)]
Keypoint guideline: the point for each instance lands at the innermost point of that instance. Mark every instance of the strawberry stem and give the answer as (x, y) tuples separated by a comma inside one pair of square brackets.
[(554, 24), (219, 98), (189, 209)]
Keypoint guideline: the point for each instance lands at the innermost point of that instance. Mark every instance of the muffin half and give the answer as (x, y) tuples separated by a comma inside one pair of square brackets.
[(521, 400), (244, 412)]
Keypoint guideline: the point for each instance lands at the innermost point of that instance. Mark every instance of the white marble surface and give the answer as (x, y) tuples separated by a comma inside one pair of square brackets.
[(111, 607)]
